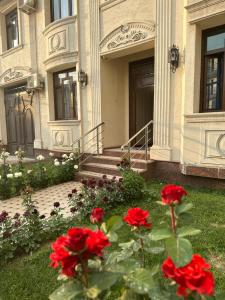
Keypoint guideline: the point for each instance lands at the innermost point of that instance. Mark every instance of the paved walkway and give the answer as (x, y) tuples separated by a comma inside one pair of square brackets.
[(45, 199)]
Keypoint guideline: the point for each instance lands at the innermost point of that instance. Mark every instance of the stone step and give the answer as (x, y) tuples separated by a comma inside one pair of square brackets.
[(113, 160), (135, 154), (105, 169), (88, 175)]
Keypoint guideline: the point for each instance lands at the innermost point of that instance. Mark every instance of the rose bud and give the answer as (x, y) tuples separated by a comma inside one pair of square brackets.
[(97, 215), (42, 217), (56, 204), (73, 210), (74, 191)]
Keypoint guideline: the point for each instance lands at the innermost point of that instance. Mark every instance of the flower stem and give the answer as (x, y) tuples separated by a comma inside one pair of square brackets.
[(84, 273), (173, 221), (143, 252)]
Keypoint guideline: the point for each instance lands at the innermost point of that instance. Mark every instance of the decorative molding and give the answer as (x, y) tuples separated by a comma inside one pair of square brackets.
[(106, 4), (14, 74), (11, 51), (212, 117), (58, 24), (61, 59), (201, 4), (57, 42), (220, 145), (127, 34)]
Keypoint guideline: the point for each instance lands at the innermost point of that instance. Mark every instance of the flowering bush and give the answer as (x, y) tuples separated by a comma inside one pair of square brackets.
[(41, 174), (91, 269)]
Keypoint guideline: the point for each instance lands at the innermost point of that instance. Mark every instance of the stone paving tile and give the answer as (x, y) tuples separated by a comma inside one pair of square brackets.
[(45, 199)]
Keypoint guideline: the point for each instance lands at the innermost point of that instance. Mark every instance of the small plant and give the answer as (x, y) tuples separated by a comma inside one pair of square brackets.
[(133, 185), (20, 154), (125, 163)]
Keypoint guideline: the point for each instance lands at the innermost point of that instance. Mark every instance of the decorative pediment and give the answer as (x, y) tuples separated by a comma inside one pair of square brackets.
[(14, 74), (126, 35)]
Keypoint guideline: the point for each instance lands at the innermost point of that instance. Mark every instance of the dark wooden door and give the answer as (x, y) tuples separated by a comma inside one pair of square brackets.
[(19, 123), (141, 95)]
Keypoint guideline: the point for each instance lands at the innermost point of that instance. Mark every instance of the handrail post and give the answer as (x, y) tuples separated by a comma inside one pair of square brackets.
[(97, 140), (146, 143)]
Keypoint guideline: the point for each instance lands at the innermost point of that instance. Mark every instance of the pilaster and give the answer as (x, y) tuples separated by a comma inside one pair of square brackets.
[(95, 79), (161, 144)]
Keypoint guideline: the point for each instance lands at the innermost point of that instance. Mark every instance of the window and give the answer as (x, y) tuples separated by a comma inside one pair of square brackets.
[(12, 30), (213, 70), (65, 95), (61, 9)]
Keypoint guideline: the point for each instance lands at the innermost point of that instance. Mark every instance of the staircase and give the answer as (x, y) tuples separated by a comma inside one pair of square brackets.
[(106, 164), (102, 161)]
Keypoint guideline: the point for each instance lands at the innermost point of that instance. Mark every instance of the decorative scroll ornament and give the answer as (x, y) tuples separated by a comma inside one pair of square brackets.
[(14, 74), (130, 33)]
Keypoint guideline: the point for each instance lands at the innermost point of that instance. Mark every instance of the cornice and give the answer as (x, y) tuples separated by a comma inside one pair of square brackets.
[(202, 4)]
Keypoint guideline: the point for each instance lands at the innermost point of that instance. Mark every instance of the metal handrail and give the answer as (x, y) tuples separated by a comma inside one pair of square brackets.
[(145, 130), (81, 144)]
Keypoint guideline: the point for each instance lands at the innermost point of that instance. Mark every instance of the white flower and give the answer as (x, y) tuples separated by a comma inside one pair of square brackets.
[(29, 171), (56, 163), (4, 155), (51, 154), (40, 157), (71, 155), (9, 175), (63, 163), (44, 169), (0, 177), (56, 159), (18, 174), (16, 153), (76, 167), (65, 156)]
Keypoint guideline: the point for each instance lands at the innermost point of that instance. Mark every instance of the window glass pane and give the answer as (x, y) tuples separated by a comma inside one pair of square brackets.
[(55, 10), (65, 95), (65, 8), (216, 41), (213, 83), (12, 30)]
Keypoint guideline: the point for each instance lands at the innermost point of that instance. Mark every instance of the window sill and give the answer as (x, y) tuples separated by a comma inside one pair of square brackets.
[(11, 51), (64, 123), (206, 117)]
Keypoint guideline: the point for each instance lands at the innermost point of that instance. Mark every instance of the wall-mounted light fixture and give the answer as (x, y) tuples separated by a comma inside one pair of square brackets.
[(82, 78), (174, 58)]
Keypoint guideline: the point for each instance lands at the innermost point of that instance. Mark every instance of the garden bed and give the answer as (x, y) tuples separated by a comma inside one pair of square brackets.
[(29, 277)]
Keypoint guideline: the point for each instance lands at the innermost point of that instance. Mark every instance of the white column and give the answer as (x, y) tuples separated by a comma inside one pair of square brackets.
[(3, 132), (161, 138), (34, 66), (95, 79)]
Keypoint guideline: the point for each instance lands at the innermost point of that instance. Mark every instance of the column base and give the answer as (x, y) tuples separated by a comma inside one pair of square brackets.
[(159, 153), (38, 144)]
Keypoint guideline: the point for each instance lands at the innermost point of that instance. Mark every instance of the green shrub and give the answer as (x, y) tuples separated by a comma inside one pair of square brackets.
[(133, 185)]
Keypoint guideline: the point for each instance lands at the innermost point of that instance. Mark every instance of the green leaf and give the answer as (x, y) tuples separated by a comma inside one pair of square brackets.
[(113, 237), (220, 296), (130, 246), (180, 250), (154, 250), (140, 281), (103, 280), (67, 291), (114, 223), (187, 231), (129, 295), (160, 234), (125, 266), (180, 209)]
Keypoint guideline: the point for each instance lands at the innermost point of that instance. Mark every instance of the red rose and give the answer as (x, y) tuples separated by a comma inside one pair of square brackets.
[(137, 217), (194, 277), (97, 215), (172, 193), (79, 244), (96, 242)]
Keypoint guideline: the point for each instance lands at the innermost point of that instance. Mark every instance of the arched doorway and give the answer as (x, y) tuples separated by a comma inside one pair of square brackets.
[(19, 122)]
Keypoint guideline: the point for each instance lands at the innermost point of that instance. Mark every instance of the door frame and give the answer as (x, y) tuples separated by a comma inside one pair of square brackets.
[(132, 126)]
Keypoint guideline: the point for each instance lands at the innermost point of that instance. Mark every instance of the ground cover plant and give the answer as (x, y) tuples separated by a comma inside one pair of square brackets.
[(45, 172), (29, 277)]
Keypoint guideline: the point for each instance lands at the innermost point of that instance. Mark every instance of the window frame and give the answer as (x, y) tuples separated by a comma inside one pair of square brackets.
[(7, 27), (204, 58), (73, 94), (60, 10)]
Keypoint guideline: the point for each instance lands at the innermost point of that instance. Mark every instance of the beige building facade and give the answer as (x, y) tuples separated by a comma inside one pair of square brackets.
[(93, 61)]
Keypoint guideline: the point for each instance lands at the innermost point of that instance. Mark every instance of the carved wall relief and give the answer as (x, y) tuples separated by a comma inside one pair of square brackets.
[(14, 74), (57, 42), (127, 34), (214, 144)]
